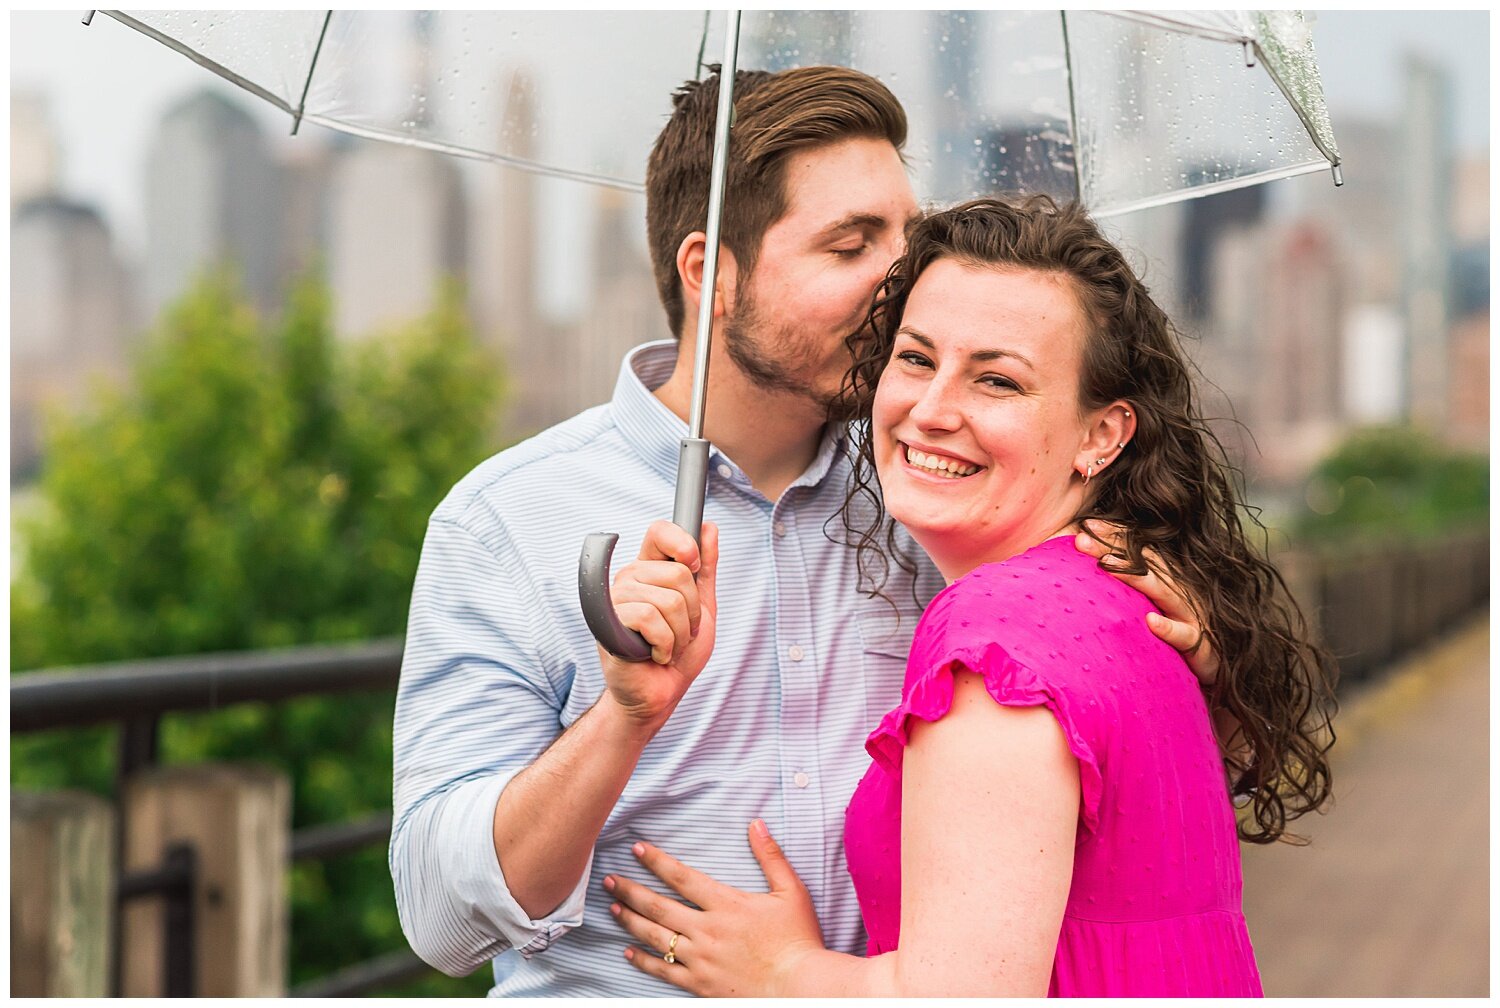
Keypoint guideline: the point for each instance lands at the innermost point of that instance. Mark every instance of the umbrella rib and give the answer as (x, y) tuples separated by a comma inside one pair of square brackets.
[(201, 60), (1072, 111), (534, 167), (702, 45), (1181, 27), (1182, 195), (1332, 157), (307, 84)]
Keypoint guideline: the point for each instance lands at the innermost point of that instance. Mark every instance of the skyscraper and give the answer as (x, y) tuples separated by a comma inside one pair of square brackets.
[(952, 71), (396, 216), (306, 174), (1469, 337), (624, 312), (72, 317), (212, 199), (1426, 157), (503, 255), (1204, 219), (396, 232), (1274, 346), (35, 160)]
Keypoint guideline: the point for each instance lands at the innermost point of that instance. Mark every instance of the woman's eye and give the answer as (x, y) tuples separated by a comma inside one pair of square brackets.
[(913, 358), (849, 253), (1000, 382)]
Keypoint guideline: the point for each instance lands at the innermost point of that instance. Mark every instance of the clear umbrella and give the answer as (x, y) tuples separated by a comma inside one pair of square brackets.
[(1121, 110)]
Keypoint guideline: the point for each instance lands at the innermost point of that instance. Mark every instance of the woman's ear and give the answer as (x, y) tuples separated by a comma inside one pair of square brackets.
[(691, 258), (1108, 435)]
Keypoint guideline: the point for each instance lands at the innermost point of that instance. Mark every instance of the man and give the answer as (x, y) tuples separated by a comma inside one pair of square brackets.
[(520, 779)]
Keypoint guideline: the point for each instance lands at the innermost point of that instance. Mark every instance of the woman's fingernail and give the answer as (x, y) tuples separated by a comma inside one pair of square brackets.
[(614, 908), (630, 954), (609, 882), (639, 850), (759, 826)]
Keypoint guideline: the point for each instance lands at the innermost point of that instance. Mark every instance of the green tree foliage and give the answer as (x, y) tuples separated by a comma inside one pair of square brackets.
[(1384, 482), (258, 486)]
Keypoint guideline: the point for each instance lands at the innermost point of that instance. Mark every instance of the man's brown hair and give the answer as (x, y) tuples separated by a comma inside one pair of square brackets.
[(774, 115)]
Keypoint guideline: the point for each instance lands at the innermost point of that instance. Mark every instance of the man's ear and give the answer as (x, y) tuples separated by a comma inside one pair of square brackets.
[(1108, 435), (691, 257)]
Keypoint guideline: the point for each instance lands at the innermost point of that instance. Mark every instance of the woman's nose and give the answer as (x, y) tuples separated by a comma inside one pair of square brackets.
[(936, 407)]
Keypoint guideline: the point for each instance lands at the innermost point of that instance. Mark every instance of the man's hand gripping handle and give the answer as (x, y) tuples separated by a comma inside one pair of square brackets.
[(598, 547)]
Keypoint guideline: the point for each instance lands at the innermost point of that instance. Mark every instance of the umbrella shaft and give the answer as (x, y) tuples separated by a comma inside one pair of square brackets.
[(692, 485), (715, 207)]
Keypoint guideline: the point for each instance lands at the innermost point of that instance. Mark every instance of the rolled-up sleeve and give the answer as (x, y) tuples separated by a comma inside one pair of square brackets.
[(475, 706)]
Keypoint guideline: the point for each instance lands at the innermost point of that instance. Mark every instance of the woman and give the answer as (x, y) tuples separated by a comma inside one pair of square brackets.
[(1046, 811)]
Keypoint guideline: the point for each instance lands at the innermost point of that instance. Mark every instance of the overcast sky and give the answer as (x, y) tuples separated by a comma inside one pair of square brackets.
[(108, 87)]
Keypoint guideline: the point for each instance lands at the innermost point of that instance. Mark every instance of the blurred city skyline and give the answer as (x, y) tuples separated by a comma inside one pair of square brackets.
[(1312, 309), (104, 129)]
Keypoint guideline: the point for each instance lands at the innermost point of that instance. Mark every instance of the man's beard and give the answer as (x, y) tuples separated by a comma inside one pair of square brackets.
[(746, 335)]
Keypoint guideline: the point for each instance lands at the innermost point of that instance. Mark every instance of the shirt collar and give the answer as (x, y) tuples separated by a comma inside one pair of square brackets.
[(652, 430), (834, 438), (656, 433)]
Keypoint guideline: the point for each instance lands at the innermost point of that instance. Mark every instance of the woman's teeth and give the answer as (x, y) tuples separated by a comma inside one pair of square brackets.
[(938, 464)]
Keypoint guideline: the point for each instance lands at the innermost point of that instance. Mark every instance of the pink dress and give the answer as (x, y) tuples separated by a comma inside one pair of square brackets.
[(1154, 908)]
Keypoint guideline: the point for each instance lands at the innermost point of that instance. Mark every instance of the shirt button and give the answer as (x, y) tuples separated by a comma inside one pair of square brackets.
[(725, 471), (795, 652), (779, 528), (801, 780)]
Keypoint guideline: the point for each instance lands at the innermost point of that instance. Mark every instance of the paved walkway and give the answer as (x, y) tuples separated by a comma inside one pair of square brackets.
[(1392, 897)]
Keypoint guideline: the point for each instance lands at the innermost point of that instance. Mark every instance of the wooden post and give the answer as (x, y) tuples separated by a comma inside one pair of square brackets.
[(237, 819), (61, 894)]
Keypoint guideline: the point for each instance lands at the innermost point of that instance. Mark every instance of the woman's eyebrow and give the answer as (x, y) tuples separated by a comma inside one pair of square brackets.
[(977, 355)]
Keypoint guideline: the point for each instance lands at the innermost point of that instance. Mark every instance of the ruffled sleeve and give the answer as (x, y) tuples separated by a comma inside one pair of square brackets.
[(928, 694)]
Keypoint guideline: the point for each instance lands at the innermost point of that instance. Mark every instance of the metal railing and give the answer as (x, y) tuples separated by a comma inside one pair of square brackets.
[(1372, 604), (137, 694)]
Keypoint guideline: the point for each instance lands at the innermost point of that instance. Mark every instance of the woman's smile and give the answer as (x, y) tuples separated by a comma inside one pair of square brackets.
[(934, 463)]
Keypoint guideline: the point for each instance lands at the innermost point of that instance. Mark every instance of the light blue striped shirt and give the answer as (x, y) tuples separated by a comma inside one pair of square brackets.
[(498, 661)]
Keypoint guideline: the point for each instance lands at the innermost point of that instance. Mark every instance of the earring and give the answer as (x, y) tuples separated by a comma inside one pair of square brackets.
[(1122, 444), (1099, 463), (1127, 413), (1088, 475)]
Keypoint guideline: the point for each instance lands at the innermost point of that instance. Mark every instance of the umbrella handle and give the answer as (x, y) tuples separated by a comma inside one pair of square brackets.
[(598, 547), (598, 609)]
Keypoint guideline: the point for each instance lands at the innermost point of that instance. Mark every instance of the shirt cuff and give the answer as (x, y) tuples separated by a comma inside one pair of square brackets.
[(479, 883)]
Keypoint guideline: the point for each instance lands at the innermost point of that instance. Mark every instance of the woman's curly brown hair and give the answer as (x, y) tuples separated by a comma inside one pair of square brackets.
[(1172, 489)]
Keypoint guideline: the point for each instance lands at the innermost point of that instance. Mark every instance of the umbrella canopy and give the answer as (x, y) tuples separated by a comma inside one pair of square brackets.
[(1122, 110)]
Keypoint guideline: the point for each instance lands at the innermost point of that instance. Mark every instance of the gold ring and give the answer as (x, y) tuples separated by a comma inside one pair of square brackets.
[(671, 955)]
